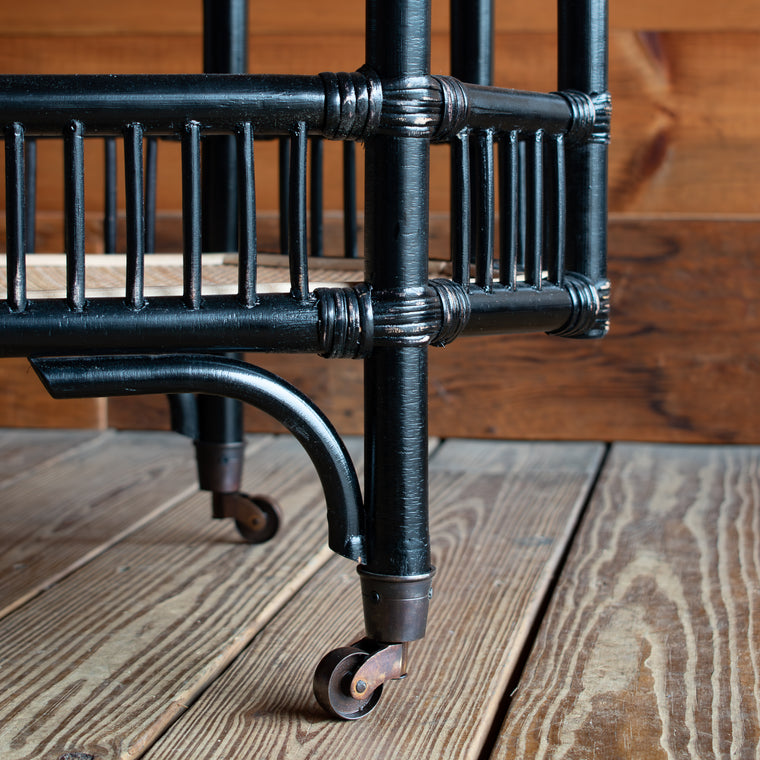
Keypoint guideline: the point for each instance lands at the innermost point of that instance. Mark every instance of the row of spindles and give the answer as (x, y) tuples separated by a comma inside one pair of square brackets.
[(140, 164), (530, 173)]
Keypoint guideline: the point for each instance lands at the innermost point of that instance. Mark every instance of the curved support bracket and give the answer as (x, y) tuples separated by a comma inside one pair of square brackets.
[(95, 376)]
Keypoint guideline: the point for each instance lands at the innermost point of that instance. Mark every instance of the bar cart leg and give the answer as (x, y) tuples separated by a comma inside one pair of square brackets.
[(219, 439), (220, 450), (396, 572)]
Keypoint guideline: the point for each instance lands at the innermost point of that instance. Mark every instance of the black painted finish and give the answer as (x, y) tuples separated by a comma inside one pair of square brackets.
[(537, 162), (396, 252), (15, 216), (582, 67), (472, 40), (225, 51), (195, 373)]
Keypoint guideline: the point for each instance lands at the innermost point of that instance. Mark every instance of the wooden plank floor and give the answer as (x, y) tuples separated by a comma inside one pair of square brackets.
[(651, 645), (587, 605)]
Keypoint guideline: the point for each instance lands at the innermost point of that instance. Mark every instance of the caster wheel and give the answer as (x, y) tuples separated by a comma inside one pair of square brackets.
[(332, 683), (257, 518)]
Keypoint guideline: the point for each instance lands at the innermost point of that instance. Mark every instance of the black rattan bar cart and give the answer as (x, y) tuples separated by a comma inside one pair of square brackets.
[(528, 250)]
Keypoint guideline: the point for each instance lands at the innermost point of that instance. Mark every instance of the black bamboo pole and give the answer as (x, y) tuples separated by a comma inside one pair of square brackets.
[(73, 149), (472, 62), (396, 214), (582, 66), (220, 420), (135, 202), (15, 215), (109, 199)]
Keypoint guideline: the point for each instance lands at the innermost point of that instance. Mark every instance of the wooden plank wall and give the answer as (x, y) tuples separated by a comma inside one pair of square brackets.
[(683, 355)]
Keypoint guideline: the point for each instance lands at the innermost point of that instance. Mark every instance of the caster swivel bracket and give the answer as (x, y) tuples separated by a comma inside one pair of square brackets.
[(256, 517), (386, 663)]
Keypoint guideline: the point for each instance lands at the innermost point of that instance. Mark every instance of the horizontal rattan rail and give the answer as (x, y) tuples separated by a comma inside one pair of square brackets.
[(343, 105), (524, 286)]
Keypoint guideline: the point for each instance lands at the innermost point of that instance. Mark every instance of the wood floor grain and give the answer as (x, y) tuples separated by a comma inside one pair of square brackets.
[(103, 661), (176, 640), (22, 451), (58, 517), (501, 515), (651, 646)]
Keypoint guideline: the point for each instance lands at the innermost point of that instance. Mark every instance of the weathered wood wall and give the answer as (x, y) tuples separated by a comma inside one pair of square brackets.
[(683, 357)]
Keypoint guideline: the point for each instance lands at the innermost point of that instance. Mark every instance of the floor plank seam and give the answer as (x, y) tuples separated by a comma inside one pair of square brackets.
[(277, 607), (92, 555), (502, 711), (253, 444), (107, 667)]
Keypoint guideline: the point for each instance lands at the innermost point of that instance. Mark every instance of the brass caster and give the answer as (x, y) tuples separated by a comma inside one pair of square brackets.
[(348, 682), (257, 518)]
